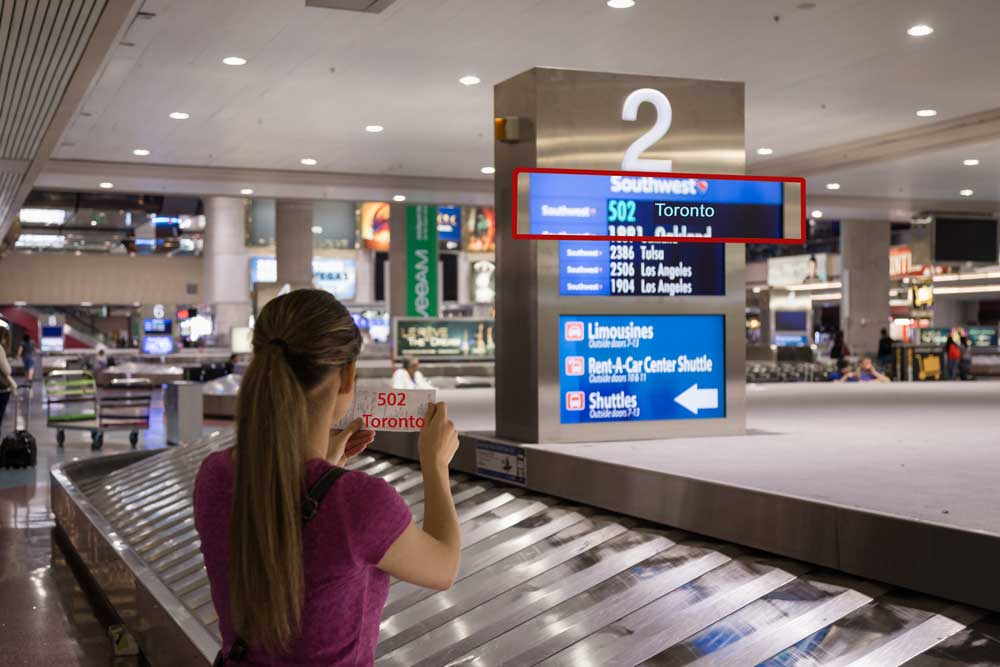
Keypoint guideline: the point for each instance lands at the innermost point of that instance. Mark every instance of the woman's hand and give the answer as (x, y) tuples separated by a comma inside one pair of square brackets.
[(438, 439), (348, 443)]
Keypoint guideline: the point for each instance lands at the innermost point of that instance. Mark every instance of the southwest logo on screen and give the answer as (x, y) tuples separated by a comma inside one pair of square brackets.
[(574, 366), (575, 400), (573, 331)]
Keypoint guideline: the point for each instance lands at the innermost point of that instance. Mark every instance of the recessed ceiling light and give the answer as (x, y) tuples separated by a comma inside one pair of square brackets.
[(85, 304), (317, 229), (93, 223), (141, 152), (966, 192), (308, 161), (971, 162), (234, 61), (399, 198), (469, 80), (817, 214), (833, 186), (488, 170), (180, 115), (246, 191), (919, 30), (764, 151), (621, 4), (107, 185), (373, 128), (926, 113)]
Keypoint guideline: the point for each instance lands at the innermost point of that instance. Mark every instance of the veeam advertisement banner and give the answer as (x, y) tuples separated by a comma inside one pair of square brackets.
[(421, 261), (641, 367)]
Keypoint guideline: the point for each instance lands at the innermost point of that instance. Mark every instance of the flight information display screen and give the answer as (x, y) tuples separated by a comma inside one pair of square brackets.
[(641, 367), (620, 206), (639, 268)]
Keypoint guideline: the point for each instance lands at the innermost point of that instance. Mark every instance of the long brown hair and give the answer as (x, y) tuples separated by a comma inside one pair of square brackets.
[(298, 339)]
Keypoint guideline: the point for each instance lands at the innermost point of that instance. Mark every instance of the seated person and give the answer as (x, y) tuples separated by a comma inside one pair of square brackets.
[(231, 363), (866, 372), (409, 376), (843, 368)]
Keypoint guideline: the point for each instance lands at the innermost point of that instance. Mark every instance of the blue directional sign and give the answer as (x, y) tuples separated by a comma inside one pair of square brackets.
[(641, 367)]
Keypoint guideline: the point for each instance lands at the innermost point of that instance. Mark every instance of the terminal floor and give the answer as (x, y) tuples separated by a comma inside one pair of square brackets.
[(926, 451), (46, 619)]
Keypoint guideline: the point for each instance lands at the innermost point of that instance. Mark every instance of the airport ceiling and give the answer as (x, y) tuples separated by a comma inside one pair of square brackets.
[(841, 71)]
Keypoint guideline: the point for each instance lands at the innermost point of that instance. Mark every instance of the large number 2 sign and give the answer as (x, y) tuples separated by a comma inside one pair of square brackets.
[(664, 116)]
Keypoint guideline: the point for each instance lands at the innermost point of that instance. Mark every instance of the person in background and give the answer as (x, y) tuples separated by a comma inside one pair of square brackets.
[(409, 376), (101, 362), (843, 368), (952, 354), (965, 363), (868, 373), (839, 349), (26, 353), (7, 384), (231, 363), (884, 349)]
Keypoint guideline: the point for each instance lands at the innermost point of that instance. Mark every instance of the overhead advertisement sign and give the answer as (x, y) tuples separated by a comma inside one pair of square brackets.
[(449, 225), (421, 261), (616, 368), (625, 205), (446, 338)]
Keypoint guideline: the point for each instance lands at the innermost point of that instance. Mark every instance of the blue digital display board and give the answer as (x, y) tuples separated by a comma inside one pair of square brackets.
[(449, 224), (638, 268), (625, 206), (641, 367)]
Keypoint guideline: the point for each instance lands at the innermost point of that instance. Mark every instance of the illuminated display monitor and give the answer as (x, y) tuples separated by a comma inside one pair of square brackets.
[(615, 368)]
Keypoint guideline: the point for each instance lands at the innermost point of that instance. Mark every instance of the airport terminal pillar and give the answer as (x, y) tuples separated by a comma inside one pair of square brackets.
[(294, 241), (557, 118), (226, 267), (396, 285), (864, 305)]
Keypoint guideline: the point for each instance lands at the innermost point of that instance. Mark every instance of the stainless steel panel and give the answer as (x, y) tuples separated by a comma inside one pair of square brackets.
[(538, 582), (591, 610), (677, 615), (445, 643), (754, 633), (415, 621), (489, 551), (978, 645)]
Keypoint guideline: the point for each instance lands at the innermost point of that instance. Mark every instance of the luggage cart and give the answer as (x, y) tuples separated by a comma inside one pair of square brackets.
[(73, 402)]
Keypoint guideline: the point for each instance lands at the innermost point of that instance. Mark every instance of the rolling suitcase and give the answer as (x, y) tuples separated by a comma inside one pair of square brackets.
[(19, 449)]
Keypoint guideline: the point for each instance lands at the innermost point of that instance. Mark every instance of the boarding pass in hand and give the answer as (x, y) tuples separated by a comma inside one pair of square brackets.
[(389, 410)]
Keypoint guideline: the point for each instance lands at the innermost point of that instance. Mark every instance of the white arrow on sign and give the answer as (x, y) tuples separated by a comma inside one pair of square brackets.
[(695, 399)]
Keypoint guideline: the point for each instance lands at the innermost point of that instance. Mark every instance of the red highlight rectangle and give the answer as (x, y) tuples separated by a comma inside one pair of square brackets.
[(671, 239)]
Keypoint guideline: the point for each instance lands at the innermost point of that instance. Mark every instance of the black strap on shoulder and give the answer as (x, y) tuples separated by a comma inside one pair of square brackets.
[(310, 504), (237, 652)]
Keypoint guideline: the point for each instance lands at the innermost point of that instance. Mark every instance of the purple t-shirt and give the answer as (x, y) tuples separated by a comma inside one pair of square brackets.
[(357, 522)]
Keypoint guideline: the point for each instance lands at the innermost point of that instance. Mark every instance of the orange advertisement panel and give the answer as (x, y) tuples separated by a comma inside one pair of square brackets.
[(480, 228), (373, 220)]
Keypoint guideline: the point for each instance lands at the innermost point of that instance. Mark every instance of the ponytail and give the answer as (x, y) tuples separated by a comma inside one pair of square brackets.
[(267, 581), (298, 340)]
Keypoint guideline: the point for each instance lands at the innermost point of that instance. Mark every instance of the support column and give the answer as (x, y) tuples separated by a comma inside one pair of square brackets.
[(864, 307), (227, 271), (396, 289), (294, 242)]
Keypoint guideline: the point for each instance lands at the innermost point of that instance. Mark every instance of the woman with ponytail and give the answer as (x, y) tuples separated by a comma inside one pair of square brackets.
[(295, 582)]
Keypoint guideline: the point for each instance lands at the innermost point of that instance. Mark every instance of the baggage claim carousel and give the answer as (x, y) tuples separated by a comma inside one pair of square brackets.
[(542, 582)]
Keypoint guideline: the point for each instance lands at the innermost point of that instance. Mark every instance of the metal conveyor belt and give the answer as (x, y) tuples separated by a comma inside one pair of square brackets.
[(543, 582)]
